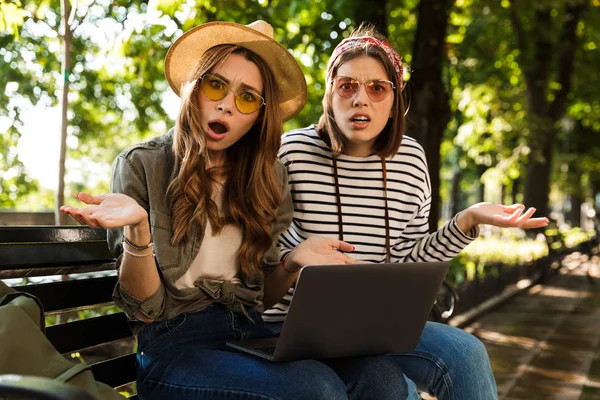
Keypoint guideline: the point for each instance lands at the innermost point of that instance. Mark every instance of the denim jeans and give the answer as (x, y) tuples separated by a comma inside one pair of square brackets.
[(186, 358), (447, 363)]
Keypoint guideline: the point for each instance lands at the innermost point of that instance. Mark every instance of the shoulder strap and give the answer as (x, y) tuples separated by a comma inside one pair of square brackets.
[(72, 372)]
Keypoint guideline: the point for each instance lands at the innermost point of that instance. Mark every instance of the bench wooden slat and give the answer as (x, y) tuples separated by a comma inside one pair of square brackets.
[(27, 255), (116, 371), (50, 234), (58, 270), (74, 293), (84, 333)]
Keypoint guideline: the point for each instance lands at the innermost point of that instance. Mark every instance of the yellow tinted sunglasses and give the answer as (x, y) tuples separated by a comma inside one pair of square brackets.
[(246, 101)]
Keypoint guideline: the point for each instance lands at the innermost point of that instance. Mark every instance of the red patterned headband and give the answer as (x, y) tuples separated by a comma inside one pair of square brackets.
[(358, 41)]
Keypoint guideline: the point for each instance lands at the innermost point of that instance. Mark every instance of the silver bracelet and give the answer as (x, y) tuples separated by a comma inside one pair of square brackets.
[(125, 240), (151, 253)]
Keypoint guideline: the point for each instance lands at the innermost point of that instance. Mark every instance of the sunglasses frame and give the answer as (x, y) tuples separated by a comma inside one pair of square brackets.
[(335, 89), (235, 94)]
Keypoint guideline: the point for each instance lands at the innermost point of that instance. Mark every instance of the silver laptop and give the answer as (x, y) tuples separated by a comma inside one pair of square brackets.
[(353, 310)]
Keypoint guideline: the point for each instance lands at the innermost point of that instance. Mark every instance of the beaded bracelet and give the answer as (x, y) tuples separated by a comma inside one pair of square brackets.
[(151, 253), (125, 240)]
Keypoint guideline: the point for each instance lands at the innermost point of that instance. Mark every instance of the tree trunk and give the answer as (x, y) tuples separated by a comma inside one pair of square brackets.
[(429, 111), (514, 191), (575, 214), (59, 217), (375, 12), (455, 192), (537, 182), (481, 169), (545, 62)]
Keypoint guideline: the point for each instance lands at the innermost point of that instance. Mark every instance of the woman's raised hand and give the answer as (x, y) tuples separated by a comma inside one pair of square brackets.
[(113, 210), (500, 215)]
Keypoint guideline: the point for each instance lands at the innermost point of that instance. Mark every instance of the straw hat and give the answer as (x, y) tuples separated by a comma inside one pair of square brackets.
[(257, 37)]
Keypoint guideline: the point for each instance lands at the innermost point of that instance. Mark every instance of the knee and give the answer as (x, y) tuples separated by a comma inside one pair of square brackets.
[(323, 386), (378, 378), (314, 380), (381, 369), (454, 346), (475, 347), (471, 352)]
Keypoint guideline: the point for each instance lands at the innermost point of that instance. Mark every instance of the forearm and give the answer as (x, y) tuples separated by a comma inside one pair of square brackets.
[(139, 275), (442, 245)]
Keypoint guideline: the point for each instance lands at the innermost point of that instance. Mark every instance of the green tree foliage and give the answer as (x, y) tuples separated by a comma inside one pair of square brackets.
[(579, 139), (547, 36), (14, 181), (113, 99), (13, 80), (492, 75)]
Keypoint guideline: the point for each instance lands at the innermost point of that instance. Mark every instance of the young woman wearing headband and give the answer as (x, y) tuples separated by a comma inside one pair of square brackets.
[(355, 177), (194, 218)]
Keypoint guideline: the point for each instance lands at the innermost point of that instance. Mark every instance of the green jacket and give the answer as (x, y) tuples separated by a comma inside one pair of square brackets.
[(142, 172)]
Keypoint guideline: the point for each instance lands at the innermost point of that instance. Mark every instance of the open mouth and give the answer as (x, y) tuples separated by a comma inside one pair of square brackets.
[(361, 119), (218, 127)]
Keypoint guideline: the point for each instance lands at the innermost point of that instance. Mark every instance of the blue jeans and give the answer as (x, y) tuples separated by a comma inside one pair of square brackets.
[(447, 363), (186, 358)]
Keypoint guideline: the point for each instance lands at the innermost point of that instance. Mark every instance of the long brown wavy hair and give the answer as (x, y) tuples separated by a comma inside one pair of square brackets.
[(251, 193), (389, 140)]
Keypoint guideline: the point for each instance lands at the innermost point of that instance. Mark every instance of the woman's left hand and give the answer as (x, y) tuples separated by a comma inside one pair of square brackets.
[(499, 215)]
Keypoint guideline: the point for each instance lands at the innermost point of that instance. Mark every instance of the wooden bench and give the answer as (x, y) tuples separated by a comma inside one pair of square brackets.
[(28, 252)]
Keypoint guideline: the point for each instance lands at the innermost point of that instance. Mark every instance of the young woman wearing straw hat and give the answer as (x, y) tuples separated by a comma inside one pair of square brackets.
[(193, 217), (355, 177)]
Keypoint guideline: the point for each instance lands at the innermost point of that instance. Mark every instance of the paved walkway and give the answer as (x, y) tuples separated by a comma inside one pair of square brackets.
[(545, 343)]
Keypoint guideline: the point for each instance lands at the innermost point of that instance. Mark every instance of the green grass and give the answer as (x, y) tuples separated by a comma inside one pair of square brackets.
[(510, 248)]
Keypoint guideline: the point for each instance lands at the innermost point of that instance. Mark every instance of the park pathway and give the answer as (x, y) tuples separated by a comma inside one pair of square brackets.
[(545, 343)]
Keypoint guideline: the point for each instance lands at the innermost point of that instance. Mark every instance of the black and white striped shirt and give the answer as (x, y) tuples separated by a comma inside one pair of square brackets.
[(310, 169)]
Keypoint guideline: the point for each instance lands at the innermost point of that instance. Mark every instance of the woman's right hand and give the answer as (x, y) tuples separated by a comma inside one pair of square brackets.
[(318, 250), (113, 210)]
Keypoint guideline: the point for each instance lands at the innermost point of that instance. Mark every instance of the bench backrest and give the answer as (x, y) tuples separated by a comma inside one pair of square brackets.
[(34, 251)]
